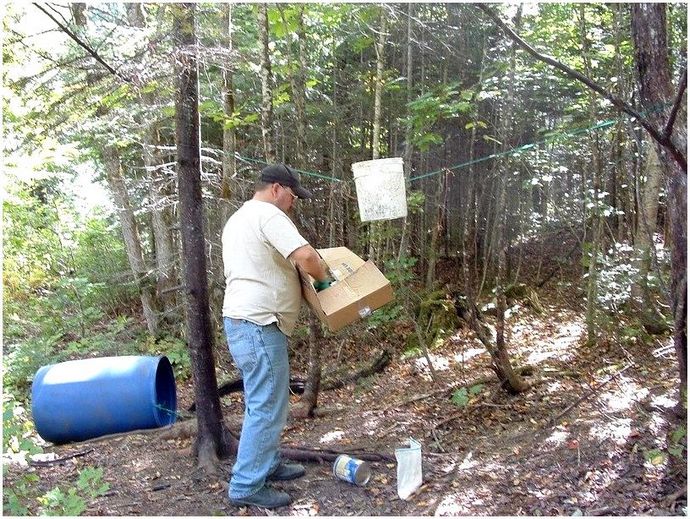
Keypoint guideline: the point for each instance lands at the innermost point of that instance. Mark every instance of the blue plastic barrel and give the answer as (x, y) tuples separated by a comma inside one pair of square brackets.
[(82, 399)]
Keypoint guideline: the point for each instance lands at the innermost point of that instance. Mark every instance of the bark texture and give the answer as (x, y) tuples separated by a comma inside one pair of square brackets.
[(213, 440), (266, 89), (130, 233), (658, 96)]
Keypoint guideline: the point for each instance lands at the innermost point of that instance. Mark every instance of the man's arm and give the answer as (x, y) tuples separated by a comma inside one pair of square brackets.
[(306, 258)]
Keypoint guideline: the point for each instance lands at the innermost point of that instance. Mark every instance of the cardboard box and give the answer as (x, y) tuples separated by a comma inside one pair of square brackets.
[(360, 289)]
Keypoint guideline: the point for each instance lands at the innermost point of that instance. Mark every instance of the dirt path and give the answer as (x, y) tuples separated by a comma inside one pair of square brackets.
[(583, 441)]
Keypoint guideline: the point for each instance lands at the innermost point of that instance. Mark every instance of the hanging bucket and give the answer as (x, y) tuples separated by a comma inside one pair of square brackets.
[(380, 188), (82, 399)]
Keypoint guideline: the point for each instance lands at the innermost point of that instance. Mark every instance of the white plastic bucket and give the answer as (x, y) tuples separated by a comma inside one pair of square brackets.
[(380, 188)]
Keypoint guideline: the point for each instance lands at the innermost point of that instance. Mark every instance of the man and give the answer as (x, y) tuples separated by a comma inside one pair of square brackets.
[(261, 249)]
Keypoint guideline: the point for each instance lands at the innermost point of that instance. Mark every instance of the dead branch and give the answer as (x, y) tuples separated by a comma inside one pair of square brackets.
[(592, 392), (327, 455), (523, 370), (44, 463), (297, 384)]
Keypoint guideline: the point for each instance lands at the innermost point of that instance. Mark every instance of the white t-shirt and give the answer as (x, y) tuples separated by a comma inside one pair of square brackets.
[(261, 284)]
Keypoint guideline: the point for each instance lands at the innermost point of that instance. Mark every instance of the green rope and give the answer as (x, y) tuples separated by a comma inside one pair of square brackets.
[(513, 151), (309, 173), (169, 411), (520, 149)]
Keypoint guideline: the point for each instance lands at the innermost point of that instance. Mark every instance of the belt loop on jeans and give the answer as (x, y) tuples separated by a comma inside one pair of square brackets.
[(236, 321)]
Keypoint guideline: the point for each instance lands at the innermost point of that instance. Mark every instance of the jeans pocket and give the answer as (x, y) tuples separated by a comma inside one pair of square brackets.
[(242, 345)]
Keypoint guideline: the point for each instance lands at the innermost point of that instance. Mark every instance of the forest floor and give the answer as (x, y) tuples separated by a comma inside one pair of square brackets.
[(590, 436)]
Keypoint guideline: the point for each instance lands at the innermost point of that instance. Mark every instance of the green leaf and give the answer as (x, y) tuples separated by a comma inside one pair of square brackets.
[(655, 456), (678, 434), (476, 389), (460, 397)]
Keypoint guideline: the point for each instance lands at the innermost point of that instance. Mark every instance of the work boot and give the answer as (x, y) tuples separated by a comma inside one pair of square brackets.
[(267, 497), (286, 471)]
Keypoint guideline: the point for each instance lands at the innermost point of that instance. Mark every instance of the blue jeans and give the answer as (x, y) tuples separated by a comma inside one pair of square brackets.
[(260, 353)]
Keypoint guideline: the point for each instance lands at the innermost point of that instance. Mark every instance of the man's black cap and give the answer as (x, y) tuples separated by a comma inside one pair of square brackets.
[(284, 176)]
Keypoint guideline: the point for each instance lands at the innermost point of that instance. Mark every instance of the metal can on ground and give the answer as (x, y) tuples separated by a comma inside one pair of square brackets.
[(351, 470)]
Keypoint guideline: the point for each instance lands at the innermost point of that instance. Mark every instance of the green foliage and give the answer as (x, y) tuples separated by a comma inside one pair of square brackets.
[(19, 436), (678, 445), (177, 352), (400, 272), (72, 501), (58, 274), (22, 359), (60, 501), (57, 502), (16, 498), (655, 456), (460, 397), (415, 202), (385, 316), (463, 396), (90, 482), (443, 103)]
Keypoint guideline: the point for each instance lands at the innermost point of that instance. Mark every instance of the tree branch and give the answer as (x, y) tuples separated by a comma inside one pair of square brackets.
[(676, 106), (88, 49), (617, 102)]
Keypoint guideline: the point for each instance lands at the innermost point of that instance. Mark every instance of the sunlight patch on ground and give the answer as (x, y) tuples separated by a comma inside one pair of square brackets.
[(450, 466), (445, 362), (440, 362), (305, 507), (373, 426), (558, 437), (468, 354), (656, 424), (540, 493), (332, 436), (459, 503), (554, 387), (617, 430), (468, 463), (628, 393), (561, 346), (663, 401)]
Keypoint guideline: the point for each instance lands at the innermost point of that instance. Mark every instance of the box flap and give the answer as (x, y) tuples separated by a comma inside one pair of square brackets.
[(341, 261)]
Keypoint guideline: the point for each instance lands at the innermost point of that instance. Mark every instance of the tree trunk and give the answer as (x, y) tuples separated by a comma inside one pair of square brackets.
[(130, 233), (299, 93), (297, 74), (266, 88), (500, 357), (438, 228), (213, 440), (407, 153), (135, 14), (229, 136), (378, 85), (648, 206), (658, 97), (78, 13), (161, 218), (597, 213)]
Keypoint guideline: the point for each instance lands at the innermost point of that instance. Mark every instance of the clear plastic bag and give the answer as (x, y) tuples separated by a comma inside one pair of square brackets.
[(409, 468)]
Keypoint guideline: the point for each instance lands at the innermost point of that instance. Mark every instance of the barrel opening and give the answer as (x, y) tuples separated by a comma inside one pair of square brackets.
[(165, 394)]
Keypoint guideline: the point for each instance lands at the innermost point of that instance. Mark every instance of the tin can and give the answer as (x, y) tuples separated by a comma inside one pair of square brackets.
[(351, 470)]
